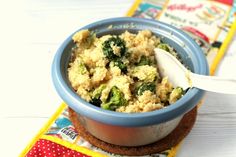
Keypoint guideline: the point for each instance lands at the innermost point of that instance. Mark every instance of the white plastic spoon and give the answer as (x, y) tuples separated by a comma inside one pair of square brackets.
[(178, 75)]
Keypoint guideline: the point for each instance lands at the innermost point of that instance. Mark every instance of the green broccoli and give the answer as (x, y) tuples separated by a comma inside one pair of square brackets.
[(108, 50), (151, 86), (145, 73), (115, 99), (176, 94), (121, 65), (164, 47), (82, 68), (144, 61), (169, 49), (97, 94), (79, 66)]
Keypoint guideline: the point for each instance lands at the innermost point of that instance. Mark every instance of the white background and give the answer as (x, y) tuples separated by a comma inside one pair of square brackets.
[(31, 32)]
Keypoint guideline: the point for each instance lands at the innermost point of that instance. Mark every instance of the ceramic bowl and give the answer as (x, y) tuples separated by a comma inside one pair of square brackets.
[(128, 129)]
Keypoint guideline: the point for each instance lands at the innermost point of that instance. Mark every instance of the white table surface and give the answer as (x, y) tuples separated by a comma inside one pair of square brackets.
[(30, 33)]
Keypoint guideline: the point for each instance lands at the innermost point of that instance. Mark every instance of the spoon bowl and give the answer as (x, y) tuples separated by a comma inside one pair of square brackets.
[(180, 76)]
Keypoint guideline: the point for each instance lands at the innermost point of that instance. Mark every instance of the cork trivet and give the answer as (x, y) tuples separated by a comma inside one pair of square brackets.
[(169, 141)]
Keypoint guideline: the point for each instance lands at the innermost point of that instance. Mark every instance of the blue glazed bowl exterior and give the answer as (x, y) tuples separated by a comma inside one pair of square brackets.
[(189, 51)]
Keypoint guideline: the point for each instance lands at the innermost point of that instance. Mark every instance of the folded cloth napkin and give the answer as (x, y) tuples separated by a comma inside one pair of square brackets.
[(43, 148)]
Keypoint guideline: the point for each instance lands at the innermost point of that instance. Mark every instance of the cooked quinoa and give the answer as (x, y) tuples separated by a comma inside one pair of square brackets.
[(119, 72)]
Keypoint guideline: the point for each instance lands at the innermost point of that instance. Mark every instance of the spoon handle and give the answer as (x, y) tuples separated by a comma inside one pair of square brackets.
[(213, 83)]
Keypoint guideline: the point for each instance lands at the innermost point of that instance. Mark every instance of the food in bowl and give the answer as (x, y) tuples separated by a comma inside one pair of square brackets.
[(119, 72), (134, 129)]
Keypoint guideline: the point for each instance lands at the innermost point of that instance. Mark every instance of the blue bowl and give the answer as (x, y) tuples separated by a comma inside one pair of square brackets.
[(190, 53)]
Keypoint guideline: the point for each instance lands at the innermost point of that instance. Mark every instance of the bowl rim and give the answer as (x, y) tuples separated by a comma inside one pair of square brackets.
[(82, 107)]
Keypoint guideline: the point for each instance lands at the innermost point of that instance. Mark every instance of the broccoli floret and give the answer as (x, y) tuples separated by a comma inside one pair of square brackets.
[(79, 66), (96, 102), (97, 94), (108, 45), (98, 91), (176, 94), (145, 73), (164, 47), (127, 54), (151, 86), (144, 61), (115, 99), (82, 68), (121, 65)]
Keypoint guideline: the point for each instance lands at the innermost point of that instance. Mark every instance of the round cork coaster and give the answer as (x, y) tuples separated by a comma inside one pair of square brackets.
[(169, 141)]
